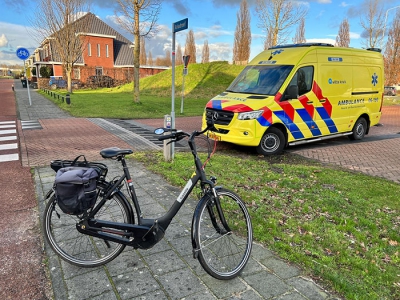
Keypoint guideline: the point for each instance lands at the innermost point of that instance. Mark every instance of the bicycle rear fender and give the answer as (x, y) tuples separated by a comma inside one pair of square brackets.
[(196, 216)]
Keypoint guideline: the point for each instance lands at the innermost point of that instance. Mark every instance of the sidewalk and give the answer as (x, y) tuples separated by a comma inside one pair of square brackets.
[(167, 271)]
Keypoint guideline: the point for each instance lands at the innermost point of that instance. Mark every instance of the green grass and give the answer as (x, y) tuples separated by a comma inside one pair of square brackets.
[(203, 82), (341, 227)]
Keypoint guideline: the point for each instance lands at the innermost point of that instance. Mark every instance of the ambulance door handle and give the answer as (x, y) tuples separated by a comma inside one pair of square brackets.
[(323, 100), (310, 102)]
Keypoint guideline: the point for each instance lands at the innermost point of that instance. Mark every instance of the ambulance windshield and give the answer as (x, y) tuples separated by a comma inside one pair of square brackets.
[(260, 79)]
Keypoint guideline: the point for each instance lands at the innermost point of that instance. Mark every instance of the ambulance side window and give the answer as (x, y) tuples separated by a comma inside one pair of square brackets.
[(303, 79)]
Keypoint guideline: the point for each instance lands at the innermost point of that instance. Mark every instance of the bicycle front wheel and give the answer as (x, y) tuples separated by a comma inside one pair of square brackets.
[(77, 248), (224, 250)]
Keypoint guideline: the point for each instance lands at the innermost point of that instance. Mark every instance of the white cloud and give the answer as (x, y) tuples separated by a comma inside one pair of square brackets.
[(324, 1), (354, 35), (3, 40), (344, 4)]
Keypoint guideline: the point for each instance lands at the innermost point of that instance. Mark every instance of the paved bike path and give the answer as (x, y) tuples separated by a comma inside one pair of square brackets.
[(167, 271)]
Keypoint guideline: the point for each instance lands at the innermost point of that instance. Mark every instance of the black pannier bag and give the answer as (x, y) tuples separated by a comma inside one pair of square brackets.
[(75, 189)]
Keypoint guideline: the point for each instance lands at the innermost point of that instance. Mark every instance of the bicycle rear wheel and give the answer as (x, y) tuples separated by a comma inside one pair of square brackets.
[(77, 248), (224, 253)]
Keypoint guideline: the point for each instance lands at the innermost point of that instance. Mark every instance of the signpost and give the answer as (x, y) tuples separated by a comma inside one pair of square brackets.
[(23, 54), (177, 26)]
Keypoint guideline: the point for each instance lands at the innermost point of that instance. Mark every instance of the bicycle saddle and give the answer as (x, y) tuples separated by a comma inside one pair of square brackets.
[(114, 151)]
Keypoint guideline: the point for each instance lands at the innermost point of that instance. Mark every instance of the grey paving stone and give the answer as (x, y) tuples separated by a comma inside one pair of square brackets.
[(267, 285), (282, 268), (224, 289), (308, 288), (181, 283), (88, 285), (132, 285)]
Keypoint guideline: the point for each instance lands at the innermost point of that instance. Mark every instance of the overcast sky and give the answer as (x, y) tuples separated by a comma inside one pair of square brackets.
[(211, 20)]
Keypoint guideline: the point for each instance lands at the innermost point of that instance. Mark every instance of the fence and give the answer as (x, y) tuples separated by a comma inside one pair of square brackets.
[(54, 95)]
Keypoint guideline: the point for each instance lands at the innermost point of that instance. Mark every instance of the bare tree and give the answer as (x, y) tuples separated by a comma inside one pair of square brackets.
[(57, 22), (343, 37), (190, 46), (241, 46), (276, 17), (300, 33), (150, 59), (178, 56), (168, 59), (392, 53), (205, 55), (143, 58), (268, 40), (373, 22), (138, 17)]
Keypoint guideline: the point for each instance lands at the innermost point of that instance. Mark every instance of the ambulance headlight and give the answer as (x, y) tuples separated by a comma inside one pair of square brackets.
[(250, 115)]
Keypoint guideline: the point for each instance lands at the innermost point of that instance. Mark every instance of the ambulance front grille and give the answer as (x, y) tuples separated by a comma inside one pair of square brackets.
[(220, 117)]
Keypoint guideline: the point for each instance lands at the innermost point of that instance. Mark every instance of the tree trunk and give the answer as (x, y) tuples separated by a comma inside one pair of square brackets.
[(136, 59), (68, 71)]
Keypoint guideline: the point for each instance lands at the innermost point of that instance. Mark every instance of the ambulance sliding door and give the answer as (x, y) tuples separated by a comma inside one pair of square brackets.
[(333, 90)]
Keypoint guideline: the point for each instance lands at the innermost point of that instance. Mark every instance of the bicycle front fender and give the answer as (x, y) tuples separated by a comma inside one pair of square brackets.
[(195, 220)]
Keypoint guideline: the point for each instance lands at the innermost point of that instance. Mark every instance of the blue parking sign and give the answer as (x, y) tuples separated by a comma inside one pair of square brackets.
[(22, 53)]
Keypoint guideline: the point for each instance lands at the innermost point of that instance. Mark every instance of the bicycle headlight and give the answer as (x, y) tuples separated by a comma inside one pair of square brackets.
[(250, 115)]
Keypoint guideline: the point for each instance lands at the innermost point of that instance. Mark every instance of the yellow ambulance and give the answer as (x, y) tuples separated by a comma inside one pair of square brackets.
[(294, 94)]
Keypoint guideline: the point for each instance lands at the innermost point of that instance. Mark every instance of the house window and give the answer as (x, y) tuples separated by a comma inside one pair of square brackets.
[(77, 73), (89, 49), (98, 50), (107, 53), (99, 71)]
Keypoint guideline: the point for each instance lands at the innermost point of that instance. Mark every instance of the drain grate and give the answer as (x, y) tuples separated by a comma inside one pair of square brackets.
[(148, 134)]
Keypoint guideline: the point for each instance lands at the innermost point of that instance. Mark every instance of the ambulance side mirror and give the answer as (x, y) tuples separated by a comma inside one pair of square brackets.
[(292, 92)]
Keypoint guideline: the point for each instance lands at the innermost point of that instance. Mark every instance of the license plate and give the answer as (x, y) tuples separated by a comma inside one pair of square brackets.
[(213, 136)]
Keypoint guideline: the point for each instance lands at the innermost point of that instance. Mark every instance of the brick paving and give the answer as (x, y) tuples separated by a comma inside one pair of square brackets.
[(378, 154)]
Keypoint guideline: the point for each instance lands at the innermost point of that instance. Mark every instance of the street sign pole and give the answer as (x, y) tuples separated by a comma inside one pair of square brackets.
[(27, 85), (177, 26), (23, 54)]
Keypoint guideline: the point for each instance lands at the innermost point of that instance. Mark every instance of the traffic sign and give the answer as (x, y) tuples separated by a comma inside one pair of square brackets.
[(186, 59), (22, 53), (181, 25)]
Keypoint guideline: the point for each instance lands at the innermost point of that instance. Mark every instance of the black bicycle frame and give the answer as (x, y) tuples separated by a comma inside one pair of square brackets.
[(147, 232)]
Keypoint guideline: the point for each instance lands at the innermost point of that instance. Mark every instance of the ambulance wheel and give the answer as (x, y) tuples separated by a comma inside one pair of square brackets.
[(359, 129), (272, 142)]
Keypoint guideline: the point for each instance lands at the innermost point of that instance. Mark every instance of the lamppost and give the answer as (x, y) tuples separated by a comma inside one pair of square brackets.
[(384, 24)]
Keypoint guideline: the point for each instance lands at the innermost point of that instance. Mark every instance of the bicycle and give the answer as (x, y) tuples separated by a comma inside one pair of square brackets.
[(221, 230)]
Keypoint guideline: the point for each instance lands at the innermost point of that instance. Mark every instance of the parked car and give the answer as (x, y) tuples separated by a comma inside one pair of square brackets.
[(101, 81), (58, 82), (390, 91)]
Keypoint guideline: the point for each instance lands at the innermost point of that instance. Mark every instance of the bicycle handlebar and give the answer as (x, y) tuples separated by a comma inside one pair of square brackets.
[(177, 135)]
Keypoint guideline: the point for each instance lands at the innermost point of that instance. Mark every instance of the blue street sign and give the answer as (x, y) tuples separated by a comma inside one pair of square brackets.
[(181, 25), (22, 53)]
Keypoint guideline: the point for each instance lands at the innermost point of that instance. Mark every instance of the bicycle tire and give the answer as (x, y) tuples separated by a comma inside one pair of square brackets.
[(224, 255), (80, 249)]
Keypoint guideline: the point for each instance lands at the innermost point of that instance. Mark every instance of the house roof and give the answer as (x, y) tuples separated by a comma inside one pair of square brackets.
[(123, 53)]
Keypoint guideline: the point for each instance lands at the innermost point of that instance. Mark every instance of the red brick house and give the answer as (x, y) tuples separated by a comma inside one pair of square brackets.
[(107, 53)]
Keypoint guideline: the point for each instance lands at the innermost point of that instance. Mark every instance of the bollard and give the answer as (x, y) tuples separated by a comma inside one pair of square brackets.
[(67, 99), (12, 87), (167, 148)]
